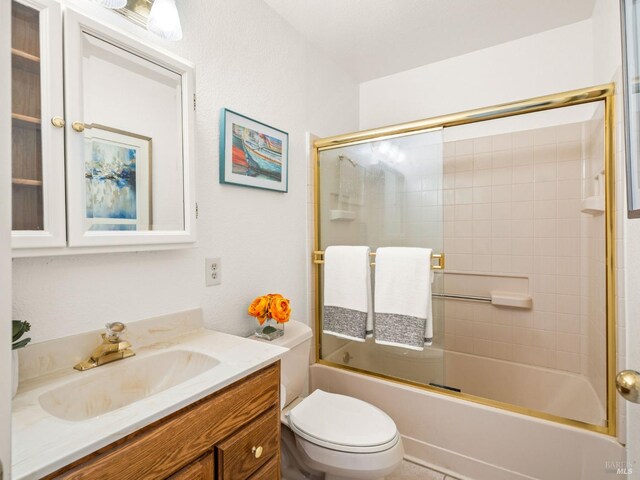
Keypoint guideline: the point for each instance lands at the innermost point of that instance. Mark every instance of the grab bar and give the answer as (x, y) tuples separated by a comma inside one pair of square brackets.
[(474, 298), (318, 259), (498, 299)]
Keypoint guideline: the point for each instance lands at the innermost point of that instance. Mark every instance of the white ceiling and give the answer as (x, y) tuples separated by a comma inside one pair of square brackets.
[(375, 38)]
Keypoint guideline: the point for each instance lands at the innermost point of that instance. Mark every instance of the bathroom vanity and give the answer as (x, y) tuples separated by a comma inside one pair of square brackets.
[(231, 434), (192, 403)]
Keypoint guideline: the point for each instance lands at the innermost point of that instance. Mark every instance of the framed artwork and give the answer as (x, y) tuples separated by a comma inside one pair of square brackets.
[(117, 173), (252, 154), (630, 11)]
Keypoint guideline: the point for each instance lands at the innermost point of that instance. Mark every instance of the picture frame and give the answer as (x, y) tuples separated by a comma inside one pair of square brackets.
[(630, 23), (252, 153), (117, 180)]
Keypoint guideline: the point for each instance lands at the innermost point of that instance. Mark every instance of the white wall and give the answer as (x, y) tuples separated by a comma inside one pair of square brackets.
[(548, 62), (5, 237), (249, 60)]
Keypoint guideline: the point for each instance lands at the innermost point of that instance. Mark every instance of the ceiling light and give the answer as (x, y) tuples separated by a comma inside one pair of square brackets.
[(164, 20), (111, 3)]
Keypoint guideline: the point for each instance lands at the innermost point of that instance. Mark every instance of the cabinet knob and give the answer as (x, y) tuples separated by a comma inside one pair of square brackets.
[(257, 451), (78, 126), (57, 122)]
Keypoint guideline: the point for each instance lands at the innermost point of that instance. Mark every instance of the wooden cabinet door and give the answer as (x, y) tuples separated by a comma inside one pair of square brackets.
[(269, 471), (38, 189), (247, 450), (201, 469)]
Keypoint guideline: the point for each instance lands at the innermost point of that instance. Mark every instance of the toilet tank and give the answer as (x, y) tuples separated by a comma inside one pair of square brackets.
[(295, 363)]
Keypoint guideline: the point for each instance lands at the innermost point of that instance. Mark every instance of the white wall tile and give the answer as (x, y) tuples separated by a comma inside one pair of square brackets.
[(544, 154), (464, 163), (522, 156), (514, 208), (482, 144), (501, 193), (502, 176), (464, 147), (482, 161), (545, 191), (523, 173), (521, 246), (482, 211), (481, 178), (522, 192), (501, 159)]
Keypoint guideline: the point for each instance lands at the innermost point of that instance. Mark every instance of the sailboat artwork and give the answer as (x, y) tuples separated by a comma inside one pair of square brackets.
[(256, 154), (252, 154)]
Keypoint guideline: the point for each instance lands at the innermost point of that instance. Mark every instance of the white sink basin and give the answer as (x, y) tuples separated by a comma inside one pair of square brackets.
[(122, 383)]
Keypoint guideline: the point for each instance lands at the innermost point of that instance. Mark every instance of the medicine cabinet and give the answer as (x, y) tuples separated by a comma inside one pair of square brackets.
[(105, 161)]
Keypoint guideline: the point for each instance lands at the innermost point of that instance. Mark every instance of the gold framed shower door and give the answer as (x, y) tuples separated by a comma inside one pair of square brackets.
[(604, 93)]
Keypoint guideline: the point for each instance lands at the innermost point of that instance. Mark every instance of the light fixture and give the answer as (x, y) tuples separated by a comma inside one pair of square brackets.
[(111, 3), (164, 20)]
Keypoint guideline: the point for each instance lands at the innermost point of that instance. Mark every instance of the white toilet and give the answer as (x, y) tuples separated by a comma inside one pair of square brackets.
[(326, 435)]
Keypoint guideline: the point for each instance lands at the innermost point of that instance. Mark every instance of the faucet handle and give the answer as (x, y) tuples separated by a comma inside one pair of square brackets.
[(114, 330)]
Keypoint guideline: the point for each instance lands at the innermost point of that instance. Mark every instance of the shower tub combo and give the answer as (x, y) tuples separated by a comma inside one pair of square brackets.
[(520, 198)]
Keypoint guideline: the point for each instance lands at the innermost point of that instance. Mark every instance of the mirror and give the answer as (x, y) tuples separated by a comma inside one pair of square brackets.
[(133, 141), (128, 170)]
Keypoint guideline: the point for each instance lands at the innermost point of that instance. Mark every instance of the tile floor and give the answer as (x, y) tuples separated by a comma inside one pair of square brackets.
[(412, 471)]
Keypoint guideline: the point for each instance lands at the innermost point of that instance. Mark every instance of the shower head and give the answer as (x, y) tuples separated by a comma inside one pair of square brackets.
[(344, 157)]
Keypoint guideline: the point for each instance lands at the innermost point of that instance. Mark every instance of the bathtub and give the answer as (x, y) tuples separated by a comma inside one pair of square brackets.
[(559, 393), (471, 440)]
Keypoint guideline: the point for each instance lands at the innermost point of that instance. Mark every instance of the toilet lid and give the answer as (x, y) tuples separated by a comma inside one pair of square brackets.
[(342, 422)]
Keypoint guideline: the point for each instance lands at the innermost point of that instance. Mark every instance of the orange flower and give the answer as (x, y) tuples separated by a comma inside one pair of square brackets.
[(259, 308), (279, 308)]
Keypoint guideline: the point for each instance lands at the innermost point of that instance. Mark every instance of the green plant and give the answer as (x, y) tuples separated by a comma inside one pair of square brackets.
[(19, 328)]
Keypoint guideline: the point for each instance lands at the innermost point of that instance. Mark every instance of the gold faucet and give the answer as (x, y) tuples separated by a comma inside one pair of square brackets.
[(111, 349)]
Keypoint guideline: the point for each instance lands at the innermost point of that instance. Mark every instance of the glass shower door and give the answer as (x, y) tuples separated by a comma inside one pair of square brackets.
[(385, 193), (520, 198)]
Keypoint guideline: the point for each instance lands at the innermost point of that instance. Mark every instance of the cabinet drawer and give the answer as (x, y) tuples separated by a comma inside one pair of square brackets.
[(168, 445), (201, 469), (244, 452), (269, 471)]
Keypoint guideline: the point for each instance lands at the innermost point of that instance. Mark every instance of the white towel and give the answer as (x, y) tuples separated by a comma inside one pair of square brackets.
[(403, 315), (347, 292)]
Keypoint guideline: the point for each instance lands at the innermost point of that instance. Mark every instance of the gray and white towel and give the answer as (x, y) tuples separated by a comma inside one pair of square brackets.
[(403, 314), (347, 292)]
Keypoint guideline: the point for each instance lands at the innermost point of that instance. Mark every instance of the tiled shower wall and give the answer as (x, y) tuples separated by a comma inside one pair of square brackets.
[(512, 206)]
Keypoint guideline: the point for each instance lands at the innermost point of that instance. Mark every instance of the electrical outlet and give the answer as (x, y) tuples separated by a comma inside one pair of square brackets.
[(213, 271)]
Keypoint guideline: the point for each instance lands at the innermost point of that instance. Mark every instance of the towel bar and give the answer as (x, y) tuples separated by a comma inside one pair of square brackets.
[(318, 259)]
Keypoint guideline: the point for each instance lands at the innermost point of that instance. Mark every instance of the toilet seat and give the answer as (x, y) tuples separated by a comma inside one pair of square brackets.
[(343, 423)]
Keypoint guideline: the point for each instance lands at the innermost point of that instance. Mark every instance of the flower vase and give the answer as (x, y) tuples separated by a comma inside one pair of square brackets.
[(15, 377), (270, 329)]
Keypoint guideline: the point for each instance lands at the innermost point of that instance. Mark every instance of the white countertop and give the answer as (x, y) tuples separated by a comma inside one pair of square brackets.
[(42, 443)]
